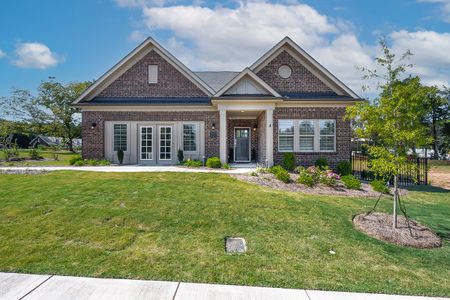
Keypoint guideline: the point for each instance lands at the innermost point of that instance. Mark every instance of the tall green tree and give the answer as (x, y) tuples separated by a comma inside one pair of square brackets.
[(51, 108), (395, 117)]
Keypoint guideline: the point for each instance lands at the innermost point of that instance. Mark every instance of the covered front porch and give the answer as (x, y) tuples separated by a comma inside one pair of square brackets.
[(246, 131)]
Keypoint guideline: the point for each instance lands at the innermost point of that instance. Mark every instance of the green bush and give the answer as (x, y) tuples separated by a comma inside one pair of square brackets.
[(262, 170), (380, 186), (213, 162), (351, 182), (79, 163), (120, 156), (344, 167), (180, 156), (34, 154), (191, 163), (103, 162), (254, 173), (275, 169), (281, 174), (321, 163), (306, 179), (289, 161), (91, 162), (226, 166), (75, 159)]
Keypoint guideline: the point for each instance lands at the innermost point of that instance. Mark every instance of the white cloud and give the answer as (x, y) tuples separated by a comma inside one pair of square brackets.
[(35, 56), (223, 38), (444, 8), (2, 54)]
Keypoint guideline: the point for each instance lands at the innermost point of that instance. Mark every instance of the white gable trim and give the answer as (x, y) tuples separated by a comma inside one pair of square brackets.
[(247, 72), (134, 56), (311, 64)]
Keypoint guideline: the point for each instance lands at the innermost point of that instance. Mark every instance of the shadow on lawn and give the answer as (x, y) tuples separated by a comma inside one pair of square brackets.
[(426, 188)]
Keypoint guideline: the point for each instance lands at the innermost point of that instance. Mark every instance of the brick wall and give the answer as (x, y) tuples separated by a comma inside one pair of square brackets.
[(134, 82), (301, 79), (343, 133), (242, 123), (93, 139)]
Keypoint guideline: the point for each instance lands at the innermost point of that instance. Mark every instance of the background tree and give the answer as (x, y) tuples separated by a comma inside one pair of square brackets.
[(437, 104), (395, 117), (51, 111)]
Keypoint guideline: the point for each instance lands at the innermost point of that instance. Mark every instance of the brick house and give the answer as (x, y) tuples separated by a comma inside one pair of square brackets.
[(150, 105)]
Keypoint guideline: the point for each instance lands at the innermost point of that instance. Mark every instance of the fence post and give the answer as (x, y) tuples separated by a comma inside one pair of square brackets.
[(426, 170)]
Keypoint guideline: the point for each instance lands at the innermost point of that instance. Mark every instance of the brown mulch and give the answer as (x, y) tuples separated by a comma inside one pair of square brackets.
[(268, 180), (22, 171), (379, 226)]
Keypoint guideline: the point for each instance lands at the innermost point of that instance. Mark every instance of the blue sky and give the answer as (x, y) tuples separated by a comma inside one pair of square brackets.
[(80, 40)]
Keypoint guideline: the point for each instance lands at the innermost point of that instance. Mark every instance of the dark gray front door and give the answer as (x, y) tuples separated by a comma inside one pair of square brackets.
[(242, 144)]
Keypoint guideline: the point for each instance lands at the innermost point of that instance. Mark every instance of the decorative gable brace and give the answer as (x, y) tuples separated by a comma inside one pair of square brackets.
[(247, 82), (134, 56), (308, 62)]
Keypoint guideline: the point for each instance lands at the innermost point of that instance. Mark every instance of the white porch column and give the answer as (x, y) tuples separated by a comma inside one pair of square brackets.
[(269, 137), (223, 136)]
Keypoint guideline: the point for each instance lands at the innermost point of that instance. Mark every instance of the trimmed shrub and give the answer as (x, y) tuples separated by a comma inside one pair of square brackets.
[(91, 162), (226, 166), (275, 169), (255, 174), (75, 159), (281, 174), (214, 162), (351, 182), (306, 179), (289, 161), (380, 186), (79, 163), (344, 167), (103, 162), (328, 178), (191, 163), (120, 156), (34, 154), (321, 163), (180, 156)]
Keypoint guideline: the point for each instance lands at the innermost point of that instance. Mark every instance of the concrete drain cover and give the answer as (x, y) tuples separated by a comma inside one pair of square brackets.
[(235, 245)]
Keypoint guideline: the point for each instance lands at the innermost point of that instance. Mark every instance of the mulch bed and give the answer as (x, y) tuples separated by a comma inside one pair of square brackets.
[(22, 171), (379, 226), (268, 180)]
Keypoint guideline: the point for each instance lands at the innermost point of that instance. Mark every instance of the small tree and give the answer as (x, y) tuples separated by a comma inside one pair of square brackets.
[(395, 118)]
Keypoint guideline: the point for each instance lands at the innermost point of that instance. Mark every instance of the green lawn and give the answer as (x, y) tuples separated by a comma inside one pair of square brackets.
[(171, 226), (48, 155)]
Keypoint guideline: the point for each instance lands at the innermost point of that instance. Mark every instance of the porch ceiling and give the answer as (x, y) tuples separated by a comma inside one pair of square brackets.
[(243, 114)]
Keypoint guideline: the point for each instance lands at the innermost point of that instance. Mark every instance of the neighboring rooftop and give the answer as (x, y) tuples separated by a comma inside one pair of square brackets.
[(216, 79)]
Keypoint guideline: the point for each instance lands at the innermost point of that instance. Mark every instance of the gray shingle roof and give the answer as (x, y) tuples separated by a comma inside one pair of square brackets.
[(216, 79)]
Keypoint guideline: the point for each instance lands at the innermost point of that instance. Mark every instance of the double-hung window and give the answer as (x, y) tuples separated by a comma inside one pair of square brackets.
[(306, 135), (190, 132), (286, 135), (120, 137), (327, 134)]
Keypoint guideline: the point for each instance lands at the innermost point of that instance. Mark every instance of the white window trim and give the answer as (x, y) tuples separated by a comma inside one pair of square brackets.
[(171, 142), (316, 136), (150, 79), (197, 139), (140, 142), (293, 136)]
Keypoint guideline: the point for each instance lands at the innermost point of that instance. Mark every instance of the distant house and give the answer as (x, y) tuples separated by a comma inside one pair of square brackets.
[(52, 141)]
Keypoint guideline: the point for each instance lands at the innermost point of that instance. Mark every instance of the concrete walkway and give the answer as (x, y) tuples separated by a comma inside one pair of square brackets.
[(32, 287), (131, 169)]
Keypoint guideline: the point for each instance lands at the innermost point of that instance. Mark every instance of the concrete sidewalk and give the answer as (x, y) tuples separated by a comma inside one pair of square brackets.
[(131, 169), (32, 287)]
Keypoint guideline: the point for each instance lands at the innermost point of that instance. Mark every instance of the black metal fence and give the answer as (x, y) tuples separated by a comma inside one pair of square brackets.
[(414, 172)]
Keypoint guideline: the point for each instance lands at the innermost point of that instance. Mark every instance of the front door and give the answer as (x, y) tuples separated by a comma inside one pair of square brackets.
[(241, 144)]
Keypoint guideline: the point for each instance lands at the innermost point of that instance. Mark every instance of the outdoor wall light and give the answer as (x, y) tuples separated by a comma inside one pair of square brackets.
[(213, 126), (255, 127), (93, 125)]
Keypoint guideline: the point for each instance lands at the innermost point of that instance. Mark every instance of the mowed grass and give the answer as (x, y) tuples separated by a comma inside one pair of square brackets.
[(171, 226), (48, 155)]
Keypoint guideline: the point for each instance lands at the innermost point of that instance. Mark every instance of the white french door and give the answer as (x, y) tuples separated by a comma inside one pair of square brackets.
[(146, 143), (165, 142)]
